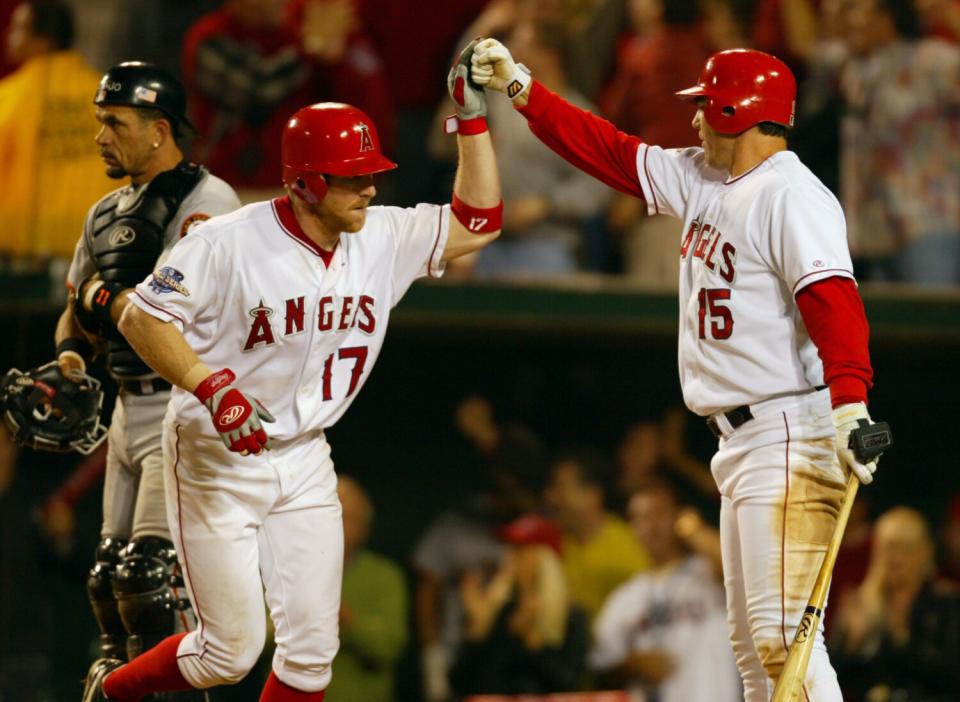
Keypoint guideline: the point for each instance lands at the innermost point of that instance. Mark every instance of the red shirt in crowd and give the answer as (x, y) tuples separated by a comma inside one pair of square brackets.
[(639, 98), (416, 41), (245, 82)]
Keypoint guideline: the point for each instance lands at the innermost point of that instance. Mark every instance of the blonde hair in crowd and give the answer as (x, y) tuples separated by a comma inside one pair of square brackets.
[(909, 529), (543, 598)]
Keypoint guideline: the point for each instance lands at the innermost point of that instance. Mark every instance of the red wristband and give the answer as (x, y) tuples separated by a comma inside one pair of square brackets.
[(213, 382), (477, 220), (466, 127)]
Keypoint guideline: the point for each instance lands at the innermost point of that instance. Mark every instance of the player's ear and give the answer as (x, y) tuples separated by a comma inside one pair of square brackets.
[(161, 130)]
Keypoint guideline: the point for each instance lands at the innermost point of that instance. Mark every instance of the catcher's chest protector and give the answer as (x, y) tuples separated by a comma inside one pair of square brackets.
[(125, 239)]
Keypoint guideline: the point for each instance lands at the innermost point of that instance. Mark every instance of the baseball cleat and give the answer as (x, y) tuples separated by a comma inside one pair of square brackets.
[(101, 668)]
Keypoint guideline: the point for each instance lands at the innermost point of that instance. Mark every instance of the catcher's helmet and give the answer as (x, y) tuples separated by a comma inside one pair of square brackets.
[(46, 410), (138, 84), (329, 138), (744, 87)]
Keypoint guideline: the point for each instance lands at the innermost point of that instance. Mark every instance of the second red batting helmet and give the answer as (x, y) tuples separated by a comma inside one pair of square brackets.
[(743, 87), (329, 138)]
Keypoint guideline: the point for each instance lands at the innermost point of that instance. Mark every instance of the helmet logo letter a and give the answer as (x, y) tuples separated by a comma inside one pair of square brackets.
[(366, 142)]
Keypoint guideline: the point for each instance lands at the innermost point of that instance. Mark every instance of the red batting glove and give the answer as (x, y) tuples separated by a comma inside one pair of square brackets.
[(236, 415)]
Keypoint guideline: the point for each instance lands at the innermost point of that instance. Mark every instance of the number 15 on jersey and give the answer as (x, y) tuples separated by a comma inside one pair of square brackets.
[(712, 307)]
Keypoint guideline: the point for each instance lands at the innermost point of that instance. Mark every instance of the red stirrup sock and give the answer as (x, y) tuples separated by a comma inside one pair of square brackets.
[(155, 670), (278, 691)]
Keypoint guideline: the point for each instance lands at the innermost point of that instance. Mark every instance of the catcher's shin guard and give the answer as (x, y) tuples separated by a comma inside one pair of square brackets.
[(146, 586), (113, 634), (143, 587)]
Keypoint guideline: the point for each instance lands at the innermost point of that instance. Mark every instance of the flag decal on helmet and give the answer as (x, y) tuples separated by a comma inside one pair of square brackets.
[(145, 94)]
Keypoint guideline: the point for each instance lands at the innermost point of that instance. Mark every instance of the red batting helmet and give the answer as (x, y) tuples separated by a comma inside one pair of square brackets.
[(742, 88), (328, 138)]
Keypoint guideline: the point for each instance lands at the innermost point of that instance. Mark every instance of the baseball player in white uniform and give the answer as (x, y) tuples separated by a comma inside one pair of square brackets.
[(268, 321), (663, 633), (773, 336), (141, 110)]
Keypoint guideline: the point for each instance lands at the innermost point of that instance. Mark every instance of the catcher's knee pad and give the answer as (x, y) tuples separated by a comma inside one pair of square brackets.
[(143, 588), (113, 635)]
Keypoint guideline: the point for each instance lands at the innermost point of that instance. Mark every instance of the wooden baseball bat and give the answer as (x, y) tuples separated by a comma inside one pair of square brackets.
[(790, 683)]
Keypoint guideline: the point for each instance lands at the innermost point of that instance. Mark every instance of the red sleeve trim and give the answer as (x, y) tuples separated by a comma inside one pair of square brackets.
[(646, 172), (833, 314), (158, 308), (588, 142), (825, 270), (436, 242)]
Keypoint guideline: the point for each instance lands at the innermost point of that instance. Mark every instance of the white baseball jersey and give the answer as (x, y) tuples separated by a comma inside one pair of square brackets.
[(210, 197), (679, 612), (749, 244), (300, 328)]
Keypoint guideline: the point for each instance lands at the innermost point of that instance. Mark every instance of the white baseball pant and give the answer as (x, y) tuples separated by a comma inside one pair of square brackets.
[(245, 524), (781, 486)]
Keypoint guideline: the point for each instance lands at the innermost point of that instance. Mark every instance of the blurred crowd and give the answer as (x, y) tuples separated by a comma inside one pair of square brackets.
[(578, 567), (877, 115), (585, 568)]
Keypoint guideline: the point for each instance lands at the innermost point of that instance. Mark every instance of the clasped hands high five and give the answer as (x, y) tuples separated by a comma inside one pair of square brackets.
[(485, 63)]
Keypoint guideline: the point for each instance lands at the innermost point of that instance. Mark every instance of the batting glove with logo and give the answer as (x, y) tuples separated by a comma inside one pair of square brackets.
[(470, 98), (236, 415), (847, 418), (493, 67)]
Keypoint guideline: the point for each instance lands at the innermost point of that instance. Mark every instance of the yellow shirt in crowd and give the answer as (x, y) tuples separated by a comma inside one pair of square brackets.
[(50, 171), (596, 567)]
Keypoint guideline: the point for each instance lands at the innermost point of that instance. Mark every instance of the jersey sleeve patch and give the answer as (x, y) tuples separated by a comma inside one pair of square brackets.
[(168, 279), (192, 221)]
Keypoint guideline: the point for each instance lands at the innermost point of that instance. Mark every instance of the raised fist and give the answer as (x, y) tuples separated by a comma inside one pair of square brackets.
[(493, 67)]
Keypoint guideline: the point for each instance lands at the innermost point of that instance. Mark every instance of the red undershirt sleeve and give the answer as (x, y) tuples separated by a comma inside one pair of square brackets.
[(833, 314), (589, 142)]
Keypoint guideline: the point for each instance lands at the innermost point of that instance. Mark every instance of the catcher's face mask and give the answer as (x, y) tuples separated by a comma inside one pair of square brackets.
[(48, 411)]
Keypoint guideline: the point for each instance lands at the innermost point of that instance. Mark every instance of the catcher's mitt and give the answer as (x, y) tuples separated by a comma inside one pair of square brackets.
[(46, 410)]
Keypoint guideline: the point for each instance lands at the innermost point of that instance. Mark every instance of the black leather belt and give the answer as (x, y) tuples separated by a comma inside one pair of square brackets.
[(144, 387), (741, 415), (737, 417)]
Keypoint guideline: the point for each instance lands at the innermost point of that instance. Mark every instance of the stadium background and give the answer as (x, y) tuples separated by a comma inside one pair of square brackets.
[(577, 359)]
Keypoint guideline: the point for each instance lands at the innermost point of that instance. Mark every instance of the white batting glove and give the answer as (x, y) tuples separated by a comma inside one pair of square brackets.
[(846, 418), (470, 98), (494, 68)]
